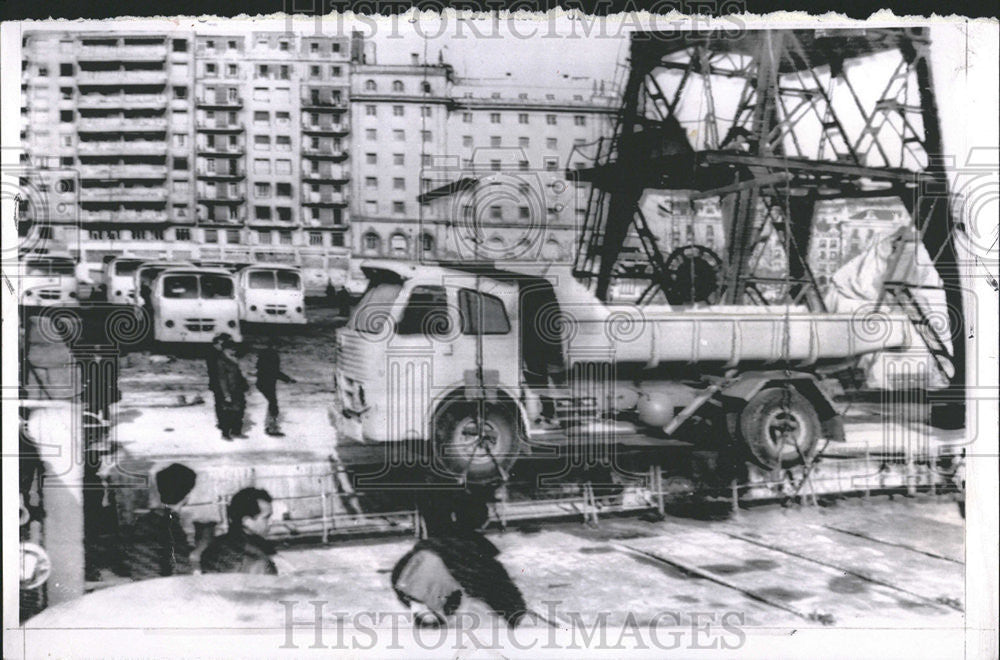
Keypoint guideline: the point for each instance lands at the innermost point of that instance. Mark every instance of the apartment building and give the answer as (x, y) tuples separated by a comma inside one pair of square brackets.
[(189, 146)]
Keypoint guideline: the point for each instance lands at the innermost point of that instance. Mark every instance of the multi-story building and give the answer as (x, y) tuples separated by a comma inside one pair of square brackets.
[(190, 146)]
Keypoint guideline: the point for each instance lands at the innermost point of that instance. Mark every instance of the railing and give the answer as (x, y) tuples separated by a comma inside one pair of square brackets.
[(205, 172), (119, 100), (331, 152), (227, 102), (122, 124), (325, 198), (310, 102), (221, 148), (122, 147), (235, 198), (327, 175), (206, 125), (124, 216), (325, 128), (123, 194), (122, 76), (123, 171), (123, 53)]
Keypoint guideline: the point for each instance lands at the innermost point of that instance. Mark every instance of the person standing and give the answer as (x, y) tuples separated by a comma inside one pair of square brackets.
[(244, 547), (268, 374), (233, 388), (159, 546), (212, 366)]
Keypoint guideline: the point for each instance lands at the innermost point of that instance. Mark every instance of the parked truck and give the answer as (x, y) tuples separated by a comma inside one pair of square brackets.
[(478, 364)]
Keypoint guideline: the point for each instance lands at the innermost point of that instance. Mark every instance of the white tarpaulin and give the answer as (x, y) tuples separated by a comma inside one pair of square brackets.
[(856, 287)]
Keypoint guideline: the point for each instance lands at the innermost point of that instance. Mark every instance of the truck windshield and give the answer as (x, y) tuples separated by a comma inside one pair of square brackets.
[(215, 287), (126, 267), (372, 312), (44, 267)]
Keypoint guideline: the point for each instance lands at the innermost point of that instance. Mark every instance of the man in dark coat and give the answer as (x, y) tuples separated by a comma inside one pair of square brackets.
[(233, 388), (455, 559), (159, 546), (243, 548), (268, 374), (212, 366)]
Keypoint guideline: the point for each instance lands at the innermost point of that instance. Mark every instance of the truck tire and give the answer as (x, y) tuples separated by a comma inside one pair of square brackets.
[(458, 451), (779, 426)]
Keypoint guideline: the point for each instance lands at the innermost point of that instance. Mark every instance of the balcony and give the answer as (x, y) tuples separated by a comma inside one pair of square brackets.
[(321, 104), (123, 194), (135, 147), (122, 53), (328, 129), (332, 153), (123, 171), (219, 101), (220, 197), (121, 77), (218, 126), (120, 125), (121, 100), (205, 173), (330, 174), (150, 217), (324, 199), (236, 150)]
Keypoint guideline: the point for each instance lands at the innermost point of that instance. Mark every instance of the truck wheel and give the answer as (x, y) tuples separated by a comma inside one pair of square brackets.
[(779, 426), (476, 440)]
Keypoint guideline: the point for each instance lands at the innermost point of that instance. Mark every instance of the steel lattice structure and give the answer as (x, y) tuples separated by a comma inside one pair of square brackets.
[(773, 119)]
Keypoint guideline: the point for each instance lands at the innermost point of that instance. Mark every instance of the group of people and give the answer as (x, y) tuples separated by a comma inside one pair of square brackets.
[(159, 546), (229, 386)]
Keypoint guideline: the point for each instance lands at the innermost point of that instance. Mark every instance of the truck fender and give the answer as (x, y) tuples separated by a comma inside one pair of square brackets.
[(747, 386)]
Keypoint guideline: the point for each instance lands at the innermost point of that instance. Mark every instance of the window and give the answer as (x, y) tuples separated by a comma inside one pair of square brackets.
[(523, 142), (283, 46), (494, 117), (371, 207), (495, 165), (261, 166), (283, 166), (262, 212), (551, 143), (481, 313), (180, 163), (371, 182), (264, 237), (262, 142), (262, 190), (180, 286), (337, 240), (425, 111), (284, 189), (371, 134), (496, 212), (426, 312), (398, 111), (398, 159), (495, 141), (399, 208), (232, 71), (466, 117), (371, 111), (579, 120), (335, 72), (65, 116), (399, 183), (233, 236), (180, 45), (370, 86), (182, 234), (316, 238), (425, 136), (550, 120), (211, 70), (285, 237), (371, 242), (211, 236), (65, 69), (523, 212), (371, 159), (399, 135), (551, 164), (522, 118), (466, 140), (397, 85), (282, 118), (210, 44), (262, 117), (314, 47), (283, 143)]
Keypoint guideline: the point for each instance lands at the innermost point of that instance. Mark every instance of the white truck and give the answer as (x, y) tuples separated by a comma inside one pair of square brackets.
[(477, 364)]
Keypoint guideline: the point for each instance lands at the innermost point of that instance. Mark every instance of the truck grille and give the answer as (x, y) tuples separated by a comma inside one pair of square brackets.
[(49, 294), (199, 325), (276, 310)]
